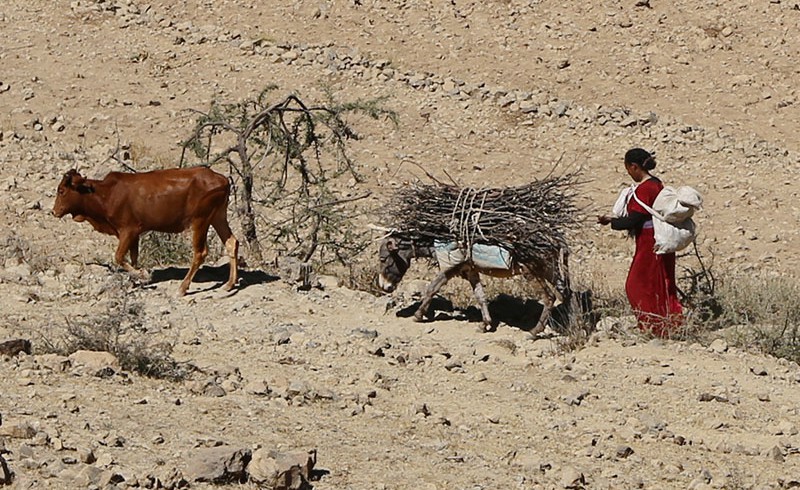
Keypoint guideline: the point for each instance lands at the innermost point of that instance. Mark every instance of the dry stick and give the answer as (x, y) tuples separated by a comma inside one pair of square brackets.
[(531, 219)]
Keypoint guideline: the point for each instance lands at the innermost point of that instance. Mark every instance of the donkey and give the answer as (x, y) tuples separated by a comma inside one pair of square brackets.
[(552, 273)]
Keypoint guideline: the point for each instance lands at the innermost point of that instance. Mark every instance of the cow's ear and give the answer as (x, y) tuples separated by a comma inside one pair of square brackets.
[(85, 188), (391, 245)]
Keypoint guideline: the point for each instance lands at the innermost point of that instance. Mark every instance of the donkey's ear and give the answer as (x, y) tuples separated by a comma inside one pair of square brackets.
[(391, 245)]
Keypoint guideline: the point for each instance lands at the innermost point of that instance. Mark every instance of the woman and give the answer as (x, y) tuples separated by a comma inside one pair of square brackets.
[(650, 285)]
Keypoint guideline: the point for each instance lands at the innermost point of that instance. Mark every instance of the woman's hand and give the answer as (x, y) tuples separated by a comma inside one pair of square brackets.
[(604, 220)]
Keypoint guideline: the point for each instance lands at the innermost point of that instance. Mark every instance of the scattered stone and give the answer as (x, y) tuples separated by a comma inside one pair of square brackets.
[(25, 451), (623, 452), (80, 476), (365, 333), (223, 464), (577, 398), (86, 455), (11, 348), (282, 471), (260, 388), (708, 397), (94, 361), (775, 453), (719, 346), (22, 430), (758, 370), (528, 107), (572, 479), (786, 428)]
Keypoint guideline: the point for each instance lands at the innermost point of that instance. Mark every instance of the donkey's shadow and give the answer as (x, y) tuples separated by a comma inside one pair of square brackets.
[(521, 313), (515, 312)]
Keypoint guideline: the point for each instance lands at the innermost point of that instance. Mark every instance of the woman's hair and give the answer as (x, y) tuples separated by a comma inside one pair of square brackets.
[(641, 158)]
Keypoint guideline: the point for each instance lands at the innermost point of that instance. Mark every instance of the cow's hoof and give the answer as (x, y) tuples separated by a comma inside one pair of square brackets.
[(140, 276), (489, 327)]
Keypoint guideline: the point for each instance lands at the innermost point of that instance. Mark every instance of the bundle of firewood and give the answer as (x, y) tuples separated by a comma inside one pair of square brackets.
[(529, 220)]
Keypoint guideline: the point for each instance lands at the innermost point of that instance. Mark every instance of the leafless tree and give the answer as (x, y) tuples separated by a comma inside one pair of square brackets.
[(291, 158)]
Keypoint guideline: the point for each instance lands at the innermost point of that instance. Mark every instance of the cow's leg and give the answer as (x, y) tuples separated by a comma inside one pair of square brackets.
[(200, 248), (134, 251), (220, 224), (434, 288), (129, 242), (477, 288)]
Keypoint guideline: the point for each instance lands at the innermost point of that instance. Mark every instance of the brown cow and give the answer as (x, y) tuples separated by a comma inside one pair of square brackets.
[(127, 205)]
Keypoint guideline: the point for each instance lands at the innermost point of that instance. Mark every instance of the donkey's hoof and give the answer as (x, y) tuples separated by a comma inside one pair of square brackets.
[(538, 329)]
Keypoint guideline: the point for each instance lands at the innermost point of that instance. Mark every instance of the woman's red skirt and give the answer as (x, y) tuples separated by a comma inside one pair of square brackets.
[(651, 287)]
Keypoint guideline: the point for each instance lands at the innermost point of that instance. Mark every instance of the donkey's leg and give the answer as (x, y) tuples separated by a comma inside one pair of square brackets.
[(477, 288), (434, 288), (548, 300)]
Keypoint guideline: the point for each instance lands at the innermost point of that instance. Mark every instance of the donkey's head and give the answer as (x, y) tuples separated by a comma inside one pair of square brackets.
[(395, 255)]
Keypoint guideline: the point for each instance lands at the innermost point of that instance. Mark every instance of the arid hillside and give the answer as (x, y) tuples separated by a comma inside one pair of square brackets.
[(492, 93)]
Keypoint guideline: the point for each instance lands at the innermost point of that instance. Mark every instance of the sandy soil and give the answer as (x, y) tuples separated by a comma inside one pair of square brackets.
[(492, 93)]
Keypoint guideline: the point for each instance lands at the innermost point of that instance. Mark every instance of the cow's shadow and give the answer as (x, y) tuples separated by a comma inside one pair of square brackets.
[(209, 273)]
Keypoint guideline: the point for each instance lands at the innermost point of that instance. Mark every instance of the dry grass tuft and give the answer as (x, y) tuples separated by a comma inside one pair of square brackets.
[(764, 311), (121, 330), (14, 248), (164, 249)]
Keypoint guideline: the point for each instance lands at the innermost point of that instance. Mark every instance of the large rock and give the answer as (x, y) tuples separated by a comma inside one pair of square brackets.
[(11, 348), (282, 471), (223, 464), (94, 360)]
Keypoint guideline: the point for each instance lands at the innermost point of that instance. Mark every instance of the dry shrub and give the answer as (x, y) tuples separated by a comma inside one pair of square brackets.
[(765, 311), (164, 249), (169, 249), (16, 248), (363, 277), (760, 310), (606, 300), (123, 331)]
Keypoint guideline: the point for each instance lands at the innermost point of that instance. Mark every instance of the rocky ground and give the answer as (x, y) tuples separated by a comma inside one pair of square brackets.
[(491, 93)]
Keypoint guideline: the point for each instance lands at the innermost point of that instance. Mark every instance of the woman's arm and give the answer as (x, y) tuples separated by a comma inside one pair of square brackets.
[(633, 221)]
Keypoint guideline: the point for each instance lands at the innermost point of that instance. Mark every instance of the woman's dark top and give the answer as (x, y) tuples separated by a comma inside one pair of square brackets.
[(633, 221)]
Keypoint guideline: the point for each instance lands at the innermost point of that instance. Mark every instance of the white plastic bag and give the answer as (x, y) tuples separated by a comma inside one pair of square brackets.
[(450, 254), (620, 209), (673, 237), (670, 237), (677, 205)]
